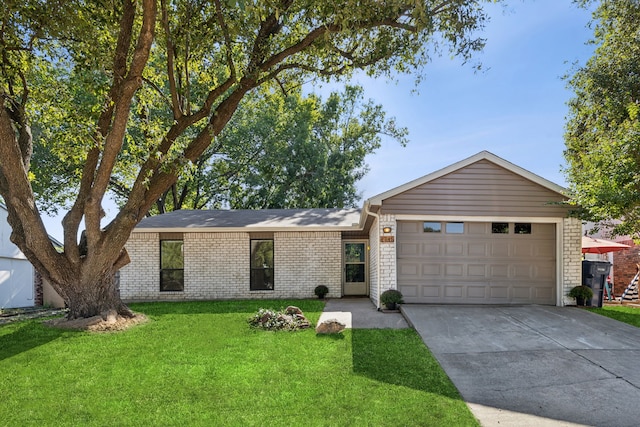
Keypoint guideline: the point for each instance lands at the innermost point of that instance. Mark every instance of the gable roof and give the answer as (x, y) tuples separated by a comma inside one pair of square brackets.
[(483, 155), (252, 220)]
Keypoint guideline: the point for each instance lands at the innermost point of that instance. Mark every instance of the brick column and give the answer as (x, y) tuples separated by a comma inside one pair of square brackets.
[(571, 256)]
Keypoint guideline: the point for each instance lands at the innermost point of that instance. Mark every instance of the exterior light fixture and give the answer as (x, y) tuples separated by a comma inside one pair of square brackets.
[(386, 230)]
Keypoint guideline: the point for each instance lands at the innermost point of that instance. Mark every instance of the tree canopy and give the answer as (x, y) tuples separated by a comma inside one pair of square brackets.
[(603, 127), (278, 151), (143, 88)]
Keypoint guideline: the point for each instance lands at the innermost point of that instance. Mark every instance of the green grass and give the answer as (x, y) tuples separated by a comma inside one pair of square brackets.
[(626, 314), (199, 364)]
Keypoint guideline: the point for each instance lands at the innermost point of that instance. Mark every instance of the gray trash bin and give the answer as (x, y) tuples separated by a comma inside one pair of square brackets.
[(594, 275)]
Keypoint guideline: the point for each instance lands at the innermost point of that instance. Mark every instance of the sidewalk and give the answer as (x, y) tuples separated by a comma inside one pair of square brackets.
[(360, 313)]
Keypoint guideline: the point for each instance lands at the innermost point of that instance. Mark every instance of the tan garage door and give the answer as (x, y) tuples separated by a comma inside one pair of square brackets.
[(476, 263)]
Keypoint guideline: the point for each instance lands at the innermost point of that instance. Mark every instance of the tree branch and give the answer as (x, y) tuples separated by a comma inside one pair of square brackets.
[(175, 103)]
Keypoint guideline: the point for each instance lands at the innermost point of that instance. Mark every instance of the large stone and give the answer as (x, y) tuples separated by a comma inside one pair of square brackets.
[(292, 309), (331, 326)]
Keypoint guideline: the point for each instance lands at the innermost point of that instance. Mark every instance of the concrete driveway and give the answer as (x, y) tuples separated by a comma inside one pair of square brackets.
[(535, 365)]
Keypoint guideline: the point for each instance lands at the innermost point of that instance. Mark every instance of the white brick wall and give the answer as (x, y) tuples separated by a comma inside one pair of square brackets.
[(388, 262), (382, 257), (374, 242), (216, 266), (304, 260), (572, 256), (140, 279)]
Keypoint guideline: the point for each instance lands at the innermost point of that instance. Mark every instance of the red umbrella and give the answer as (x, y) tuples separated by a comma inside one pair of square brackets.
[(591, 245)]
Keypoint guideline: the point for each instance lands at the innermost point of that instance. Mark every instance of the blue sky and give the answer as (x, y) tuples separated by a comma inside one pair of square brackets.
[(515, 108)]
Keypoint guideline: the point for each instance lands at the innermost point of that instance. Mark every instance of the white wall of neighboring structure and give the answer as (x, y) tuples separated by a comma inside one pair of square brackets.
[(16, 272)]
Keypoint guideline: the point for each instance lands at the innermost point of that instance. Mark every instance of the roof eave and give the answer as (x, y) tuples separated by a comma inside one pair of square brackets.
[(250, 229)]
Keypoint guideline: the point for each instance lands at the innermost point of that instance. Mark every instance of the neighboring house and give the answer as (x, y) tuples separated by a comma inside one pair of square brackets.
[(20, 284), (16, 272), (623, 263), (481, 231)]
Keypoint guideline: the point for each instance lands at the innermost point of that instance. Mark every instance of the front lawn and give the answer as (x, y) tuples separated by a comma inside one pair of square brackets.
[(626, 314), (200, 364)]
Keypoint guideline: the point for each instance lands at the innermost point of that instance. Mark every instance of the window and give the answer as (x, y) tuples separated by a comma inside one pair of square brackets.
[(454, 227), (522, 228), (171, 265), (500, 228), (261, 265), (432, 227)]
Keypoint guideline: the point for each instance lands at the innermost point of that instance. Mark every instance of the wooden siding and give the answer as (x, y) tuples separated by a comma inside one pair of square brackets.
[(480, 189)]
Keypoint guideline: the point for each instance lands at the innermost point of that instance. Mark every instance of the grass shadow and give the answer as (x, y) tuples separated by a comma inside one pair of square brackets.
[(399, 357), (19, 337)]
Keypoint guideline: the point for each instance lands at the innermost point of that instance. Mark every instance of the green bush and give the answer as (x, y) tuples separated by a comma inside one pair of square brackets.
[(581, 292), (391, 296), (321, 291)]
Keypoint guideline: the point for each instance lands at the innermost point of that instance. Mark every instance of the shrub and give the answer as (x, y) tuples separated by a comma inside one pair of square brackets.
[(581, 292), (391, 296), (321, 291)]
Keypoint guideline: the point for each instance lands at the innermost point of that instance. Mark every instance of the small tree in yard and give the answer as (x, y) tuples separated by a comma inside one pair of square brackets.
[(87, 78)]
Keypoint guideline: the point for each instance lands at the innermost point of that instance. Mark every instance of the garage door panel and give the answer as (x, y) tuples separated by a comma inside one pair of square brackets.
[(453, 291), (545, 273), (408, 249), (433, 249), (409, 291), (477, 270), (431, 269), (455, 249), (477, 249), (499, 292), (476, 228), (453, 270), (431, 291), (477, 266), (522, 293), (499, 270), (408, 227), (409, 271), (476, 292), (499, 249), (523, 271), (524, 249), (544, 293)]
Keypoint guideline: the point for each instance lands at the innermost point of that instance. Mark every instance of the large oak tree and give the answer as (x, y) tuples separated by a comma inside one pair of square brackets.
[(86, 68)]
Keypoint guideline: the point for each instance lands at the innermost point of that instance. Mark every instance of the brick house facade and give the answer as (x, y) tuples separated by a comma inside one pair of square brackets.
[(535, 258)]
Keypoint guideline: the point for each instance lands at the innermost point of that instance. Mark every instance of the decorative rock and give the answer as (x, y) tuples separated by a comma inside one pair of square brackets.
[(292, 309), (331, 326)]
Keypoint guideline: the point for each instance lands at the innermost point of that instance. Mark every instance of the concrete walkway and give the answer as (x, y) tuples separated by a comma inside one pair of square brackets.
[(534, 365), (360, 313)]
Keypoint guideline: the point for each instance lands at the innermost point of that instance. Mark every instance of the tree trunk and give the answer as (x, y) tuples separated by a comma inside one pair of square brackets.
[(94, 297)]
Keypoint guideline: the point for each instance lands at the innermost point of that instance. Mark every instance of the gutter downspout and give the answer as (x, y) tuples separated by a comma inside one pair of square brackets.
[(377, 217)]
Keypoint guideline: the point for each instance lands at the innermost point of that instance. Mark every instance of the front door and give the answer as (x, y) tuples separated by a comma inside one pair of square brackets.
[(355, 274)]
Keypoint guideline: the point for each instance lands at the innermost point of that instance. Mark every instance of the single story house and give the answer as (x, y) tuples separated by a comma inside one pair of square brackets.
[(481, 231)]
